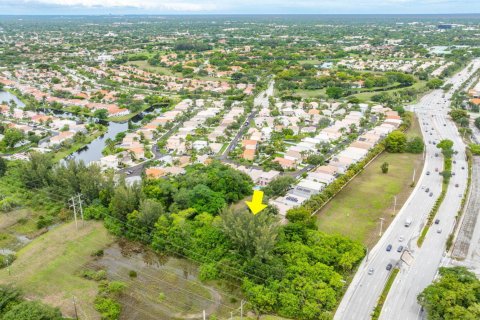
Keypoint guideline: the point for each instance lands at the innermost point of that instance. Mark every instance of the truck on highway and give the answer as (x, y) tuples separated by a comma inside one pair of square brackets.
[(408, 222)]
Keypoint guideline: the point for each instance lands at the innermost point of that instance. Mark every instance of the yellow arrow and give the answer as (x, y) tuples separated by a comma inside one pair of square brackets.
[(256, 204)]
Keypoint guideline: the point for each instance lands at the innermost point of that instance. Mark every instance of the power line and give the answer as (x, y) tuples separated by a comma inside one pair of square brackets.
[(150, 232)]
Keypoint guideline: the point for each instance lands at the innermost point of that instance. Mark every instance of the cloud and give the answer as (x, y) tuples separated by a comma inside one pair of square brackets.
[(237, 6), (165, 5)]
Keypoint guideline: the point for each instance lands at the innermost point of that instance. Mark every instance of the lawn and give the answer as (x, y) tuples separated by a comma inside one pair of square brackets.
[(47, 268), (366, 96), (356, 211)]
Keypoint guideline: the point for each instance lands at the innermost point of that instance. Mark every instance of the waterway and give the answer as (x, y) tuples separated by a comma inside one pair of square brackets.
[(93, 151), (6, 97)]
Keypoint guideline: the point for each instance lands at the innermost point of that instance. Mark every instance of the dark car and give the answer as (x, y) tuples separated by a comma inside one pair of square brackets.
[(389, 247), (400, 249), (437, 221), (431, 194), (389, 267)]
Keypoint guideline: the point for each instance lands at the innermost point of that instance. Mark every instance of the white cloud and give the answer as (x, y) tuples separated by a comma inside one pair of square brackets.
[(167, 5)]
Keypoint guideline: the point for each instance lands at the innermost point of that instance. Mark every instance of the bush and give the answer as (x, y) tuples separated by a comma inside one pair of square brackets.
[(415, 145), (132, 274), (32, 310), (108, 308), (6, 260), (396, 142)]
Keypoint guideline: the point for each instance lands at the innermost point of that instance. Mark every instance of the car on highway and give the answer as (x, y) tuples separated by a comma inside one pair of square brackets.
[(456, 185), (400, 249), (389, 267), (439, 230), (401, 238), (463, 168), (428, 189), (389, 247), (431, 194), (437, 221), (408, 222), (436, 169), (371, 271), (428, 173)]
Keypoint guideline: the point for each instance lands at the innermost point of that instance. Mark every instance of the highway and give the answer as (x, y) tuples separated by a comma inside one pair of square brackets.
[(363, 293)]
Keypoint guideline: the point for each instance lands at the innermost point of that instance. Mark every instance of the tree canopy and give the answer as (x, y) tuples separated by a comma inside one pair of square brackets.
[(455, 295)]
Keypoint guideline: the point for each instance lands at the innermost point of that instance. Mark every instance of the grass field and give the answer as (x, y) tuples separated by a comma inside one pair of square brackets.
[(356, 210), (366, 96), (47, 268)]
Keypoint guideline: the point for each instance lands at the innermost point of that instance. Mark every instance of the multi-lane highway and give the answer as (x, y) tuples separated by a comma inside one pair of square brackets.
[(367, 285)]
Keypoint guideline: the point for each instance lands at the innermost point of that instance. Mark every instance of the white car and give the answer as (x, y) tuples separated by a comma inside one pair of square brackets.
[(401, 238), (370, 271)]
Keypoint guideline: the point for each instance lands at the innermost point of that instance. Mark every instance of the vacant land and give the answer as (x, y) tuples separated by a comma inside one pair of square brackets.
[(47, 268), (164, 287), (356, 211)]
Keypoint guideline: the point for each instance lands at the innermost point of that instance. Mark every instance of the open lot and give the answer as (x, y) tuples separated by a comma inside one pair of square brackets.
[(47, 268), (356, 211), (165, 287)]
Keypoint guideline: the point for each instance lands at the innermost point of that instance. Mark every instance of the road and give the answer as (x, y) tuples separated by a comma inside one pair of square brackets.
[(260, 101), (363, 293)]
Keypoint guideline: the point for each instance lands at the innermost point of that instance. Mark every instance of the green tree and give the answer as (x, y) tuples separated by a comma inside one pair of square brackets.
[(3, 167), (278, 186), (396, 142), (255, 235), (415, 145), (334, 92), (455, 295), (435, 83), (12, 136), (101, 114)]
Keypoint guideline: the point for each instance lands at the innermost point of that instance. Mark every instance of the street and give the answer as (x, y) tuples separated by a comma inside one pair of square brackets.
[(365, 289)]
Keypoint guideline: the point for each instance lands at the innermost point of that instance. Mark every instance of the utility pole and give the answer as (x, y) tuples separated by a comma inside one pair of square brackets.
[(381, 226), (72, 199), (81, 208), (394, 205), (77, 200), (75, 307), (241, 309)]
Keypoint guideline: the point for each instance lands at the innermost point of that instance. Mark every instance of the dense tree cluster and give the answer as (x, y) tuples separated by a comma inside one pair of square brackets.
[(292, 269), (14, 307), (455, 295)]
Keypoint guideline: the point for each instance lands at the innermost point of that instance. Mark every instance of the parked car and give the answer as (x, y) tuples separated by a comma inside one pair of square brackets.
[(389, 247), (428, 189), (400, 249), (431, 194), (389, 267), (428, 173), (401, 238)]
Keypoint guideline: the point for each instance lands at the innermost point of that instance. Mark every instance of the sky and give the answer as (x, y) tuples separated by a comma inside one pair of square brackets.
[(75, 7)]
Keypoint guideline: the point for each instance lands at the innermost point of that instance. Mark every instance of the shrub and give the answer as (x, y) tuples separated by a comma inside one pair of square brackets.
[(108, 308)]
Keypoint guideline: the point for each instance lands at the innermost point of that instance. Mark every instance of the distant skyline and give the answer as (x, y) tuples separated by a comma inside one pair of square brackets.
[(76, 7)]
